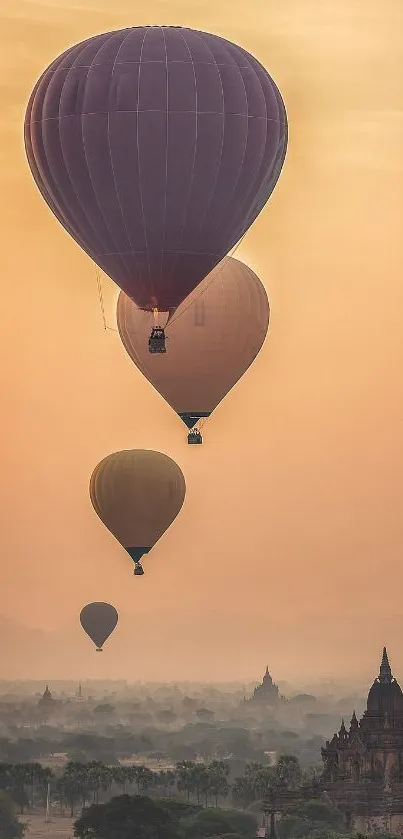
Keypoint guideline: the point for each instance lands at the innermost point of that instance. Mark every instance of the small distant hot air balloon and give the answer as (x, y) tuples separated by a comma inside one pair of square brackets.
[(216, 334), (98, 620), (156, 148), (137, 494)]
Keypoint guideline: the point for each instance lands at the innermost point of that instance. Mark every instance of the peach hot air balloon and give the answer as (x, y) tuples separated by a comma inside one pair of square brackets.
[(137, 494), (216, 334)]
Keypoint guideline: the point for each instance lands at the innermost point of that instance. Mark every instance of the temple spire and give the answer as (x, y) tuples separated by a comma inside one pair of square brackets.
[(354, 722), (385, 673)]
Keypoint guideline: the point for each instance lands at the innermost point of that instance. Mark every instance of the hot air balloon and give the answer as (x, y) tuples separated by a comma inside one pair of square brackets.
[(98, 620), (213, 338), (156, 148), (137, 494)]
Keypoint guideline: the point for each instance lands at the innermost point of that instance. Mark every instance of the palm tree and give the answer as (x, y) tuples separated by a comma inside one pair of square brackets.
[(166, 779), (5, 775), (253, 785), (185, 775), (38, 776), (20, 776), (200, 781), (43, 778), (288, 771), (120, 776), (143, 777), (98, 777), (218, 772), (74, 784)]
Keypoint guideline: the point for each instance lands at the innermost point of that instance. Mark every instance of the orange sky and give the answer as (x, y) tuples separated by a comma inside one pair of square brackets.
[(289, 546)]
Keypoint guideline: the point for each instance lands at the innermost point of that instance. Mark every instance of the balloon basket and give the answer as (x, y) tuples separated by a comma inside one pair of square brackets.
[(99, 650), (156, 341), (194, 437)]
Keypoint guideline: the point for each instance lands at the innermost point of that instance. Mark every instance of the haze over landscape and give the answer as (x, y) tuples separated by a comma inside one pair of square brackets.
[(288, 547)]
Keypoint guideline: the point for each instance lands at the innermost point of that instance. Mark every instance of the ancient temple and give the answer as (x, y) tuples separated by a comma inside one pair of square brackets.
[(363, 765), (46, 699), (267, 692)]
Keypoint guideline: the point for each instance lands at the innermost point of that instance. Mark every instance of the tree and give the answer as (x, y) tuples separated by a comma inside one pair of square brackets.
[(179, 809), (119, 776), (6, 776), (215, 822), (311, 819), (74, 785), (98, 777), (254, 785), (126, 816), (10, 827), (166, 779), (288, 771), (200, 780), (227, 836), (42, 777), (218, 772), (185, 776), (243, 793), (20, 777), (142, 776)]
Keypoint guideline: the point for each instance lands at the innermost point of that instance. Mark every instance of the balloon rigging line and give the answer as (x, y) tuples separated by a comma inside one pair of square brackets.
[(101, 303)]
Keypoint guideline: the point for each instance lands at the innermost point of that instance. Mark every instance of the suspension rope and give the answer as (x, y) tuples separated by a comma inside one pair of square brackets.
[(101, 303)]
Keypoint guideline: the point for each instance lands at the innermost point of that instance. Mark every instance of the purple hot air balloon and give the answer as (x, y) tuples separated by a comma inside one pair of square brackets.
[(156, 148)]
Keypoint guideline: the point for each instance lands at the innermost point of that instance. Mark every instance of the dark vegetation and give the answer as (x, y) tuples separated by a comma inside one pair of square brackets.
[(182, 763), (79, 784)]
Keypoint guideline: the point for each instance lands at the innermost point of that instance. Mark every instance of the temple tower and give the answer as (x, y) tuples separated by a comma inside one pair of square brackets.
[(365, 763)]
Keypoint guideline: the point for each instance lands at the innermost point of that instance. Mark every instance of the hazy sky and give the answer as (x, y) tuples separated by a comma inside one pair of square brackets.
[(288, 549)]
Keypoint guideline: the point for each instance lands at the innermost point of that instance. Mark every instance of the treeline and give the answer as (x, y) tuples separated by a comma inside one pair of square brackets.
[(208, 741), (80, 784), (127, 816)]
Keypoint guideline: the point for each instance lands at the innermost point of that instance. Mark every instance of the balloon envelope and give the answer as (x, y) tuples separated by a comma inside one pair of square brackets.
[(212, 339), (137, 494), (156, 148), (98, 620)]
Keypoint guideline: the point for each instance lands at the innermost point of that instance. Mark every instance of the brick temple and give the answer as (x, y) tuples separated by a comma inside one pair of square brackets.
[(363, 765)]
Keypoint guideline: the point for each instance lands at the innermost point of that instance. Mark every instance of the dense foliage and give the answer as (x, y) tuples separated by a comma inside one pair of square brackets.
[(126, 816), (10, 827)]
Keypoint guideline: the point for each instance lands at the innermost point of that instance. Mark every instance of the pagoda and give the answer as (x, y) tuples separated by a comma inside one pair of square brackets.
[(267, 692), (363, 765), (46, 699)]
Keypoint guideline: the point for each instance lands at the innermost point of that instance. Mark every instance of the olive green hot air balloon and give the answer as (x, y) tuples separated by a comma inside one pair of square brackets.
[(137, 494), (98, 620)]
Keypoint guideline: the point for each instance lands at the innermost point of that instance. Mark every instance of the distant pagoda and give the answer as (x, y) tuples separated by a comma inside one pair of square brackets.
[(46, 700), (267, 693), (79, 694)]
